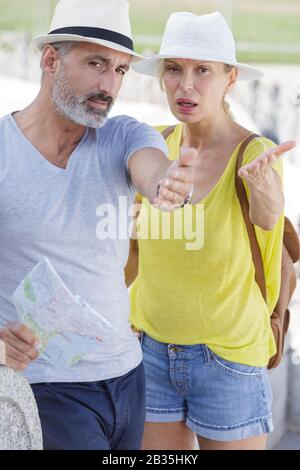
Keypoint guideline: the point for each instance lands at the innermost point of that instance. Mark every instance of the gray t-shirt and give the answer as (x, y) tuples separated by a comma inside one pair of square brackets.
[(58, 213)]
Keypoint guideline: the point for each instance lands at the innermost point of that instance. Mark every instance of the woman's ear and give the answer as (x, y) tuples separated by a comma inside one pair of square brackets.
[(232, 78)]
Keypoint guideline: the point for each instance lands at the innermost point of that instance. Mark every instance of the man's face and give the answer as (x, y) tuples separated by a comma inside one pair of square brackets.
[(87, 82)]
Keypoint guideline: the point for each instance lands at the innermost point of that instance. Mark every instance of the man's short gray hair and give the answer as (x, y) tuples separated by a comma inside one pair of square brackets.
[(64, 47)]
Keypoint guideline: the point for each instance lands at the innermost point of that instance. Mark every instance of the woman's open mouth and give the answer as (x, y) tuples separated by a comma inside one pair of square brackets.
[(185, 105)]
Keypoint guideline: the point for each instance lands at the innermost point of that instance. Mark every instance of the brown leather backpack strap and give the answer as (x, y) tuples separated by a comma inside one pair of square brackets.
[(168, 131), (291, 240), (242, 195)]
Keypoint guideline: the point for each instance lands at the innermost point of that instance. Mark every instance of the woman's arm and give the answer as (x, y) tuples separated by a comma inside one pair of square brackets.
[(266, 200)]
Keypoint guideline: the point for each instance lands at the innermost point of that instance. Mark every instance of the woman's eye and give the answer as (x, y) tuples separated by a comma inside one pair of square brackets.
[(203, 69), (172, 69)]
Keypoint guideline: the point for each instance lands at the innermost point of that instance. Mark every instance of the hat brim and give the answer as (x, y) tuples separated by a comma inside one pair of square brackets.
[(41, 41), (151, 66)]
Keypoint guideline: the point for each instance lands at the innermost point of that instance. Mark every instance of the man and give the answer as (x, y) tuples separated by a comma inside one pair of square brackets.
[(61, 160)]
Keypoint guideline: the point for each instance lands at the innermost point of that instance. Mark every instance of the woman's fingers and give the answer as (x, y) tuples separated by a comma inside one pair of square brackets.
[(279, 150), (259, 167), (284, 147)]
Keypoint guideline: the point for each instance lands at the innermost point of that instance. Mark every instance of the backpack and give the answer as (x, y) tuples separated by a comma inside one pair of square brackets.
[(280, 317)]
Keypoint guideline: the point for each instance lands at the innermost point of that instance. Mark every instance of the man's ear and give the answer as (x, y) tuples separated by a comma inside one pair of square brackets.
[(49, 59)]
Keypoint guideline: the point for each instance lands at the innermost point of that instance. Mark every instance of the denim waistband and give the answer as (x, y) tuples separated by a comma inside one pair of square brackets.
[(179, 350)]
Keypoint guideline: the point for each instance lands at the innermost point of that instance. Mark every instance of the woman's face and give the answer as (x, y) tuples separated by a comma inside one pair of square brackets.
[(195, 89)]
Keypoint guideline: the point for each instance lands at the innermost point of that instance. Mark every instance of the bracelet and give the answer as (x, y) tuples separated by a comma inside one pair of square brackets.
[(188, 198), (158, 187)]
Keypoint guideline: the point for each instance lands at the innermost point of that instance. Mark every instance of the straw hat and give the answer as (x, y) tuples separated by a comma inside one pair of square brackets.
[(101, 22), (203, 38)]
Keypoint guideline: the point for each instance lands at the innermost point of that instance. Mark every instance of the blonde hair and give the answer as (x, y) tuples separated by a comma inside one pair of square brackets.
[(225, 104), (160, 77)]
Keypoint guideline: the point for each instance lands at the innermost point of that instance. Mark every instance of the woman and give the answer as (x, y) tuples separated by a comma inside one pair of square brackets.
[(206, 327)]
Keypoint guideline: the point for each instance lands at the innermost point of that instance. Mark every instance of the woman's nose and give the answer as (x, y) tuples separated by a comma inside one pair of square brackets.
[(187, 82)]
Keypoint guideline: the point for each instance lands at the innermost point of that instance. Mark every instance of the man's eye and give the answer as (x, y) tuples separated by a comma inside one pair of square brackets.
[(97, 64), (121, 72)]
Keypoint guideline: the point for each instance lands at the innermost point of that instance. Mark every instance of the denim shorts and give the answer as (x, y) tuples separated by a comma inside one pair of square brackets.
[(218, 399)]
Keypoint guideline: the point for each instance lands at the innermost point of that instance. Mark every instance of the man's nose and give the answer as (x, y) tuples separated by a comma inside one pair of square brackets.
[(107, 83)]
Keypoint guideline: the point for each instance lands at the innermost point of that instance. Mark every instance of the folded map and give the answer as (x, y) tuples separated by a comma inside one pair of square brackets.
[(69, 329)]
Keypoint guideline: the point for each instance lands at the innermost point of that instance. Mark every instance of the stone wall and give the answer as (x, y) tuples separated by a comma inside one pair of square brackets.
[(20, 427)]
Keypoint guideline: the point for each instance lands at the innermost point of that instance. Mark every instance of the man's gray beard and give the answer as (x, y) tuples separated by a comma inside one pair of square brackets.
[(74, 107)]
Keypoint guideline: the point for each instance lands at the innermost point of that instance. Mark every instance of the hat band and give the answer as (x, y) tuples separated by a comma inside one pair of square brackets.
[(97, 33)]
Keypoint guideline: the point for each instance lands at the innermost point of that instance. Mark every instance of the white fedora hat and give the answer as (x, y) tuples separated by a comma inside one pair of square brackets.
[(205, 37), (102, 22)]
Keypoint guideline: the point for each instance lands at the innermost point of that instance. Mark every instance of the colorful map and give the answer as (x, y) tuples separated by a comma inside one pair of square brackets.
[(68, 328)]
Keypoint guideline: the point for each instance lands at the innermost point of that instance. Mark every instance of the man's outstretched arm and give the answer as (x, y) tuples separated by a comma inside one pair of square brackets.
[(149, 169)]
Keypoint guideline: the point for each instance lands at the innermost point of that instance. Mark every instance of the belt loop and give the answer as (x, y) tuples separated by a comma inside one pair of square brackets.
[(141, 337), (206, 354)]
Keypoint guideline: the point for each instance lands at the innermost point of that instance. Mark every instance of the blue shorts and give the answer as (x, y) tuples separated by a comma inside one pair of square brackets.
[(217, 399), (105, 415)]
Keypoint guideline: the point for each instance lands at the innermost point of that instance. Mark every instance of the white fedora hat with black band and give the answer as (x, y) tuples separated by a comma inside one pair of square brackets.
[(203, 38), (102, 22)]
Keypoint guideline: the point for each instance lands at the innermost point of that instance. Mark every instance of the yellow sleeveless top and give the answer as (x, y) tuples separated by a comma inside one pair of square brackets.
[(196, 281)]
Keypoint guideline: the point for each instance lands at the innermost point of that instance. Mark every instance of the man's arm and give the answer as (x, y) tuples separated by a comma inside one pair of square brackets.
[(266, 200), (149, 167)]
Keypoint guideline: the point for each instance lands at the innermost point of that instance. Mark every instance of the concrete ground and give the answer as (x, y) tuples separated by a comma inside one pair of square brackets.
[(291, 441)]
